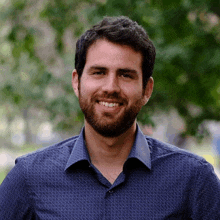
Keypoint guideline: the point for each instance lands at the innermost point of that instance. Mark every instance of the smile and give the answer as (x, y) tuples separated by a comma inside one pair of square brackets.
[(108, 104)]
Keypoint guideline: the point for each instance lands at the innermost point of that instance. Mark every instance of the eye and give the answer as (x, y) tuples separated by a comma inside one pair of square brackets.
[(98, 73), (126, 75)]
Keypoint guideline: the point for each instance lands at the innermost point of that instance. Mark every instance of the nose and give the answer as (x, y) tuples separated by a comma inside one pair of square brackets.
[(111, 84)]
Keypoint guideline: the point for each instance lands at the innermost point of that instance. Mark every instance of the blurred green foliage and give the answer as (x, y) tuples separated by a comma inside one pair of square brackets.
[(37, 56), (2, 176)]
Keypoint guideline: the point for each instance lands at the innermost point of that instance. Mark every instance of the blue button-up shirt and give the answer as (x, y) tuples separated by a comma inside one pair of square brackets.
[(158, 182)]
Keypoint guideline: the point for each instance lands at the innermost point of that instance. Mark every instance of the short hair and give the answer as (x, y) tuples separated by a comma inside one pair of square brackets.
[(123, 31)]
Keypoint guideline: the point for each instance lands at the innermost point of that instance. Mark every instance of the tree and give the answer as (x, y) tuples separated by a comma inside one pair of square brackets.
[(37, 56), (187, 38)]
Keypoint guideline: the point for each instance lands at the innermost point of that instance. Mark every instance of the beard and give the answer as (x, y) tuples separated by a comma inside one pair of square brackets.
[(107, 124)]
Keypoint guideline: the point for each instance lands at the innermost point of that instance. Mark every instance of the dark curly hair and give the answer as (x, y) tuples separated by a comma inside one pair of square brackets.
[(120, 30)]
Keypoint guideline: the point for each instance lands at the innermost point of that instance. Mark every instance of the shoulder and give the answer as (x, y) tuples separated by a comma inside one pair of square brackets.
[(181, 171), (170, 161), (30, 172), (164, 152), (58, 152)]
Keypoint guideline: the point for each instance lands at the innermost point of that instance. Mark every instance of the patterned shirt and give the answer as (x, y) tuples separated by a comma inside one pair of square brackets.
[(159, 181)]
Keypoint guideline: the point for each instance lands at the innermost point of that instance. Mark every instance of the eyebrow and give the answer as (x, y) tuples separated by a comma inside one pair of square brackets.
[(122, 70), (127, 70), (97, 68)]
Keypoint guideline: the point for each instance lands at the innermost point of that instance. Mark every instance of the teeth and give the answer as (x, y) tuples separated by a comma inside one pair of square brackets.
[(110, 105)]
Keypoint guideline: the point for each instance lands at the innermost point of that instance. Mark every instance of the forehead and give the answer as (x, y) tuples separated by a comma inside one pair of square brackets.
[(107, 53)]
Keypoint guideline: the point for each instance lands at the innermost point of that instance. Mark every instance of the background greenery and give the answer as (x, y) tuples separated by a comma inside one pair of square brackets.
[(37, 43), (37, 57)]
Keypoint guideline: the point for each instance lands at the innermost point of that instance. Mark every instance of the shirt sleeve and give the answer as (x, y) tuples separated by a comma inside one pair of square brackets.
[(14, 195), (206, 194)]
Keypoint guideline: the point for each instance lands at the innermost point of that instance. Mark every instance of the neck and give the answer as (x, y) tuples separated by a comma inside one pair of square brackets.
[(105, 151)]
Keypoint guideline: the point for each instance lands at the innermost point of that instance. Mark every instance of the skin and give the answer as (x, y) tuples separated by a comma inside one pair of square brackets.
[(111, 94)]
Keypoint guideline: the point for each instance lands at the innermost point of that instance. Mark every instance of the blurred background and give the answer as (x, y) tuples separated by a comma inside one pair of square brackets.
[(37, 44)]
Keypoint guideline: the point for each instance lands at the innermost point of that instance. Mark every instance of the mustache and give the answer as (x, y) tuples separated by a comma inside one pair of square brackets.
[(114, 95)]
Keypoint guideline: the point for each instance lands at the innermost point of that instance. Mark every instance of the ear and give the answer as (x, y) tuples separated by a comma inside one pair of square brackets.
[(75, 82), (148, 90)]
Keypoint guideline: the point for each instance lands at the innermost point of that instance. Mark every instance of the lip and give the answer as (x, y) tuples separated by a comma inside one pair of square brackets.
[(109, 104), (109, 109), (110, 101)]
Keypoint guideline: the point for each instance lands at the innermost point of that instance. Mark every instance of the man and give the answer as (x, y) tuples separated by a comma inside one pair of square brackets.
[(111, 170)]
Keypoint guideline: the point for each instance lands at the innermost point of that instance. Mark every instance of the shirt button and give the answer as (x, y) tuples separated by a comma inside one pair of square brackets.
[(110, 191)]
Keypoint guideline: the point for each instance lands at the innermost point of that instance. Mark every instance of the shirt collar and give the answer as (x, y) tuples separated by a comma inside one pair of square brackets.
[(79, 151), (140, 150)]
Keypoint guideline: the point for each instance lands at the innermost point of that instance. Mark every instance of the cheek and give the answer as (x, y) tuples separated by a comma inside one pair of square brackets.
[(133, 93), (87, 88)]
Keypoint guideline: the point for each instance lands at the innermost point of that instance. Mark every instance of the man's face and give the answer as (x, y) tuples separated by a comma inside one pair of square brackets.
[(110, 90)]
